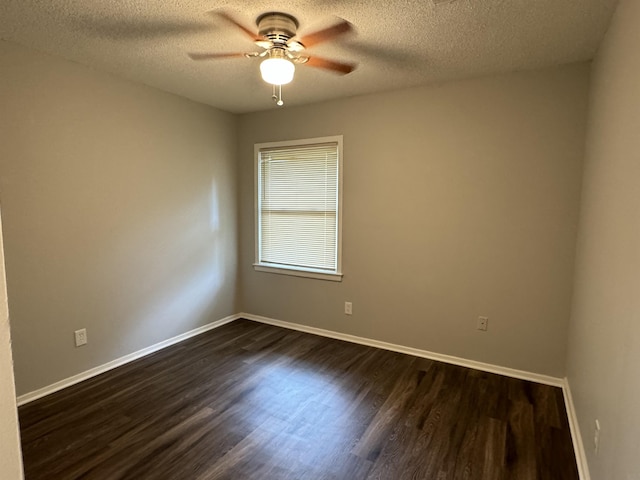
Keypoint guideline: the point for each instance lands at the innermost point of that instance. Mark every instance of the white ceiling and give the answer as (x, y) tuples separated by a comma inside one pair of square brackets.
[(398, 43)]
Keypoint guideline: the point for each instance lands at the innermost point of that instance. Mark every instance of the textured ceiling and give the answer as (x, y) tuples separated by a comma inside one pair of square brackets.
[(397, 43)]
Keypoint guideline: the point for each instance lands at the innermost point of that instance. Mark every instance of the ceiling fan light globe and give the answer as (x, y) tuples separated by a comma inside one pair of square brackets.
[(277, 71)]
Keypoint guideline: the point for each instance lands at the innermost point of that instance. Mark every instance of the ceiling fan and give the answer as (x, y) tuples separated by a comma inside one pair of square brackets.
[(282, 48)]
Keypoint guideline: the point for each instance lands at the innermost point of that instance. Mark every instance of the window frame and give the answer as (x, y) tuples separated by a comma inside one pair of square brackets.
[(285, 269)]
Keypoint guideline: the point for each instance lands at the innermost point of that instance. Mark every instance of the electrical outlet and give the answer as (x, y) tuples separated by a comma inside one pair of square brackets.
[(81, 337), (483, 323), (596, 437), (348, 308)]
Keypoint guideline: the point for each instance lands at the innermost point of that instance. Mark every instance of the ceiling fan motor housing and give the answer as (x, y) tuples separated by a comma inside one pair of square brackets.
[(277, 27)]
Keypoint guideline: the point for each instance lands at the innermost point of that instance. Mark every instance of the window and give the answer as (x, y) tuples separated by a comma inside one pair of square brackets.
[(298, 201)]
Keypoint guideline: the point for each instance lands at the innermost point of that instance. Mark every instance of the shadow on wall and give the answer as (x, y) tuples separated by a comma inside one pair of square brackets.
[(185, 295)]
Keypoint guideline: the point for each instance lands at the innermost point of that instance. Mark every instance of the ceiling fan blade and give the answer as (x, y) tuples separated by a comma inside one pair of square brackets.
[(337, 67), (213, 56), (326, 34), (229, 18)]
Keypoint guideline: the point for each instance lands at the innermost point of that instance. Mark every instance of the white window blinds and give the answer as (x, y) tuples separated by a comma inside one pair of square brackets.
[(298, 206)]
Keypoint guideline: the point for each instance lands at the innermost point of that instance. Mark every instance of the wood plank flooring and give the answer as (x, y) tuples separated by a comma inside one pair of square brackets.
[(250, 401)]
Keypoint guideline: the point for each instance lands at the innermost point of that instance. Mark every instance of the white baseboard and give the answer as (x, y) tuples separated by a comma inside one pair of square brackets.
[(578, 445), (67, 382), (581, 460), (463, 362)]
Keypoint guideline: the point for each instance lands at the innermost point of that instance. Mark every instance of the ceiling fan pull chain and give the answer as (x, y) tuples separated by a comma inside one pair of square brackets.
[(277, 98), (279, 102)]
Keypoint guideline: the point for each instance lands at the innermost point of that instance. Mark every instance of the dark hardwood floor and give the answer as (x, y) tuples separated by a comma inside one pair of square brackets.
[(252, 401)]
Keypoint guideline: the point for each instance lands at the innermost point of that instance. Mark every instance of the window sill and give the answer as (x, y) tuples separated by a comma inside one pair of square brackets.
[(298, 272)]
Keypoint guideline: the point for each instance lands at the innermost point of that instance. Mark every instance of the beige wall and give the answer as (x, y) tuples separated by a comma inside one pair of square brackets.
[(604, 346), (119, 208), (10, 460), (459, 200)]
